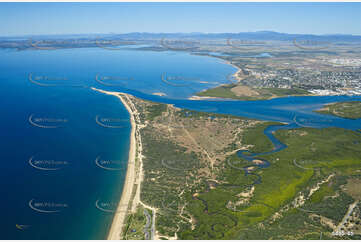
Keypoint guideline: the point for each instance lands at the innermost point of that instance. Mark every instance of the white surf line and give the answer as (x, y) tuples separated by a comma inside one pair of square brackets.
[(116, 228), (118, 221)]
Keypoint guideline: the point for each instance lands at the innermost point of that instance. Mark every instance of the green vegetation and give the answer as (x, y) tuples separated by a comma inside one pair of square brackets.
[(135, 225), (318, 196), (282, 91), (330, 201), (351, 110), (156, 110), (225, 91), (332, 150), (196, 201), (333, 208), (294, 224), (257, 138), (221, 92)]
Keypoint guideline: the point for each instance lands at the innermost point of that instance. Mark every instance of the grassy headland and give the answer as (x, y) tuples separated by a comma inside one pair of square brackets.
[(351, 110), (236, 91)]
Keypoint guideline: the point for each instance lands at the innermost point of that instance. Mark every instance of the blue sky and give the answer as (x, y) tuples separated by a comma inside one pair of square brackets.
[(79, 18)]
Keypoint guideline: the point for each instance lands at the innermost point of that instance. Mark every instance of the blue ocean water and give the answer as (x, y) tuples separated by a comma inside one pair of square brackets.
[(67, 177), (64, 147)]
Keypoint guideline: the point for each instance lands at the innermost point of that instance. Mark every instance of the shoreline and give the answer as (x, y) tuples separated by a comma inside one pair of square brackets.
[(235, 75), (116, 228)]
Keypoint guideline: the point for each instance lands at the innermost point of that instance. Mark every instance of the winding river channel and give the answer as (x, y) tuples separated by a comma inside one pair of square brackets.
[(79, 140)]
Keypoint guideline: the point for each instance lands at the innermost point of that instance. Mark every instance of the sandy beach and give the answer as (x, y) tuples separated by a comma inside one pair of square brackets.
[(121, 213), (200, 98), (239, 70)]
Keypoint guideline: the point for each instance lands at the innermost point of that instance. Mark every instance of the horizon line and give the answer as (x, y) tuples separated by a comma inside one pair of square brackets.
[(205, 33)]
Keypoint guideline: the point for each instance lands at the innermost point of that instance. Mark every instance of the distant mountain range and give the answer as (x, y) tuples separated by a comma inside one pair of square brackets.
[(259, 35)]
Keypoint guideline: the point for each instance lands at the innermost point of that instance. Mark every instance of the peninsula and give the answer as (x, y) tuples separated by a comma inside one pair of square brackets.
[(351, 110), (190, 181)]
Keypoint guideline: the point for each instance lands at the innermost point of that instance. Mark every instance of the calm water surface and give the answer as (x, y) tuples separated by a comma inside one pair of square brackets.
[(65, 147)]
